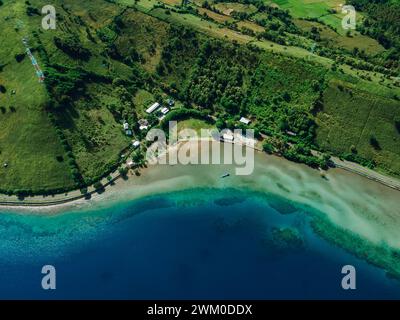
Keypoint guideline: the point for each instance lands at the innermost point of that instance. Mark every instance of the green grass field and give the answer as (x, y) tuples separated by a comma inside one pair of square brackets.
[(304, 8), (351, 116), (143, 99), (228, 7), (316, 9), (194, 124), (94, 135), (371, 46), (28, 141)]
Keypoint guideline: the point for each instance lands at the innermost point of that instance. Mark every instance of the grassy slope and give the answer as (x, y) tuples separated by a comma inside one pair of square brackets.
[(28, 142), (146, 34), (314, 9), (328, 35), (319, 9), (96, 137), (332, 117), (351, 116), (216, 30)]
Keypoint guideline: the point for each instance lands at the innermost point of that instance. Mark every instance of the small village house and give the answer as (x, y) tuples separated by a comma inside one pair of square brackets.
[(245, 120), (136, 144), (130, 163), (170, 102), (228, 137), (153, 107)]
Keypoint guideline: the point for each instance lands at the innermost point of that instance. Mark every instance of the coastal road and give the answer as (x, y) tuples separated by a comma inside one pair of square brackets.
[(366, 172)]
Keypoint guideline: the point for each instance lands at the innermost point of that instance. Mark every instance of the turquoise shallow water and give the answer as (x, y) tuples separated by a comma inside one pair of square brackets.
[(194, 244)]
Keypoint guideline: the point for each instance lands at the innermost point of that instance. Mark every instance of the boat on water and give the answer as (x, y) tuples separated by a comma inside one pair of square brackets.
[(226, 174)]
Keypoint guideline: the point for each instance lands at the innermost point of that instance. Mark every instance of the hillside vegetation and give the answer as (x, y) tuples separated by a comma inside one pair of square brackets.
[(304, 85)]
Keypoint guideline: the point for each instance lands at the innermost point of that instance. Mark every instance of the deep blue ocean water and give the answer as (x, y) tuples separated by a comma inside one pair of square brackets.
[(196, 244)]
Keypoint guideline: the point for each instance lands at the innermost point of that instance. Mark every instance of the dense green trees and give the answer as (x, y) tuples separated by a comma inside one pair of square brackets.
[(383, 24), (31, 11), (217, 79), (268, 147), (63, 82), (231, 80), (72, 46)]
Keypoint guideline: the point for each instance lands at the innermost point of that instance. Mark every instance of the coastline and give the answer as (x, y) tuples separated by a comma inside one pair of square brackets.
[(201, 232), (358, 215), (67, 200), (353, 202)]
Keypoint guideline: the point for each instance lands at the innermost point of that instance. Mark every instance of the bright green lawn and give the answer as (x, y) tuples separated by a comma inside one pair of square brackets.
[(194, 124), (304, 8), (143, 99), (28, 141)]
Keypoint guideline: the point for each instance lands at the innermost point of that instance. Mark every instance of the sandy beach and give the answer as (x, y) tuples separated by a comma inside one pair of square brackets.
[(355, 203)]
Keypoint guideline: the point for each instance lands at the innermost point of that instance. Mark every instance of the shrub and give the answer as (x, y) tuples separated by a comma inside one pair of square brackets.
[(397, 125), (374, 142), (123, 171), (19, 57), (30, 11), (71, 45), (268, 147), (98, 186)]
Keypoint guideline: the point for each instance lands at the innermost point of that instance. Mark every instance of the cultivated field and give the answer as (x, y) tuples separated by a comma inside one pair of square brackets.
[(350, 117)]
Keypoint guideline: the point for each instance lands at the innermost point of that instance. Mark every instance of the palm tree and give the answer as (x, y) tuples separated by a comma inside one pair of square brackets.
[(139, 159)]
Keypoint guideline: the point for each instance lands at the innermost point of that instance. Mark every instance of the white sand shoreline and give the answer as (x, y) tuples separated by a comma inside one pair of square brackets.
[(350, 201), (66, 200)]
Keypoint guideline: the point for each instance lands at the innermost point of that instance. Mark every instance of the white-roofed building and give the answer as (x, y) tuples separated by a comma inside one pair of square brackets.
[(126, 126), (153, 107), (164, 110), (228, 137), (245, 120), (136, 144), (130, 163)]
